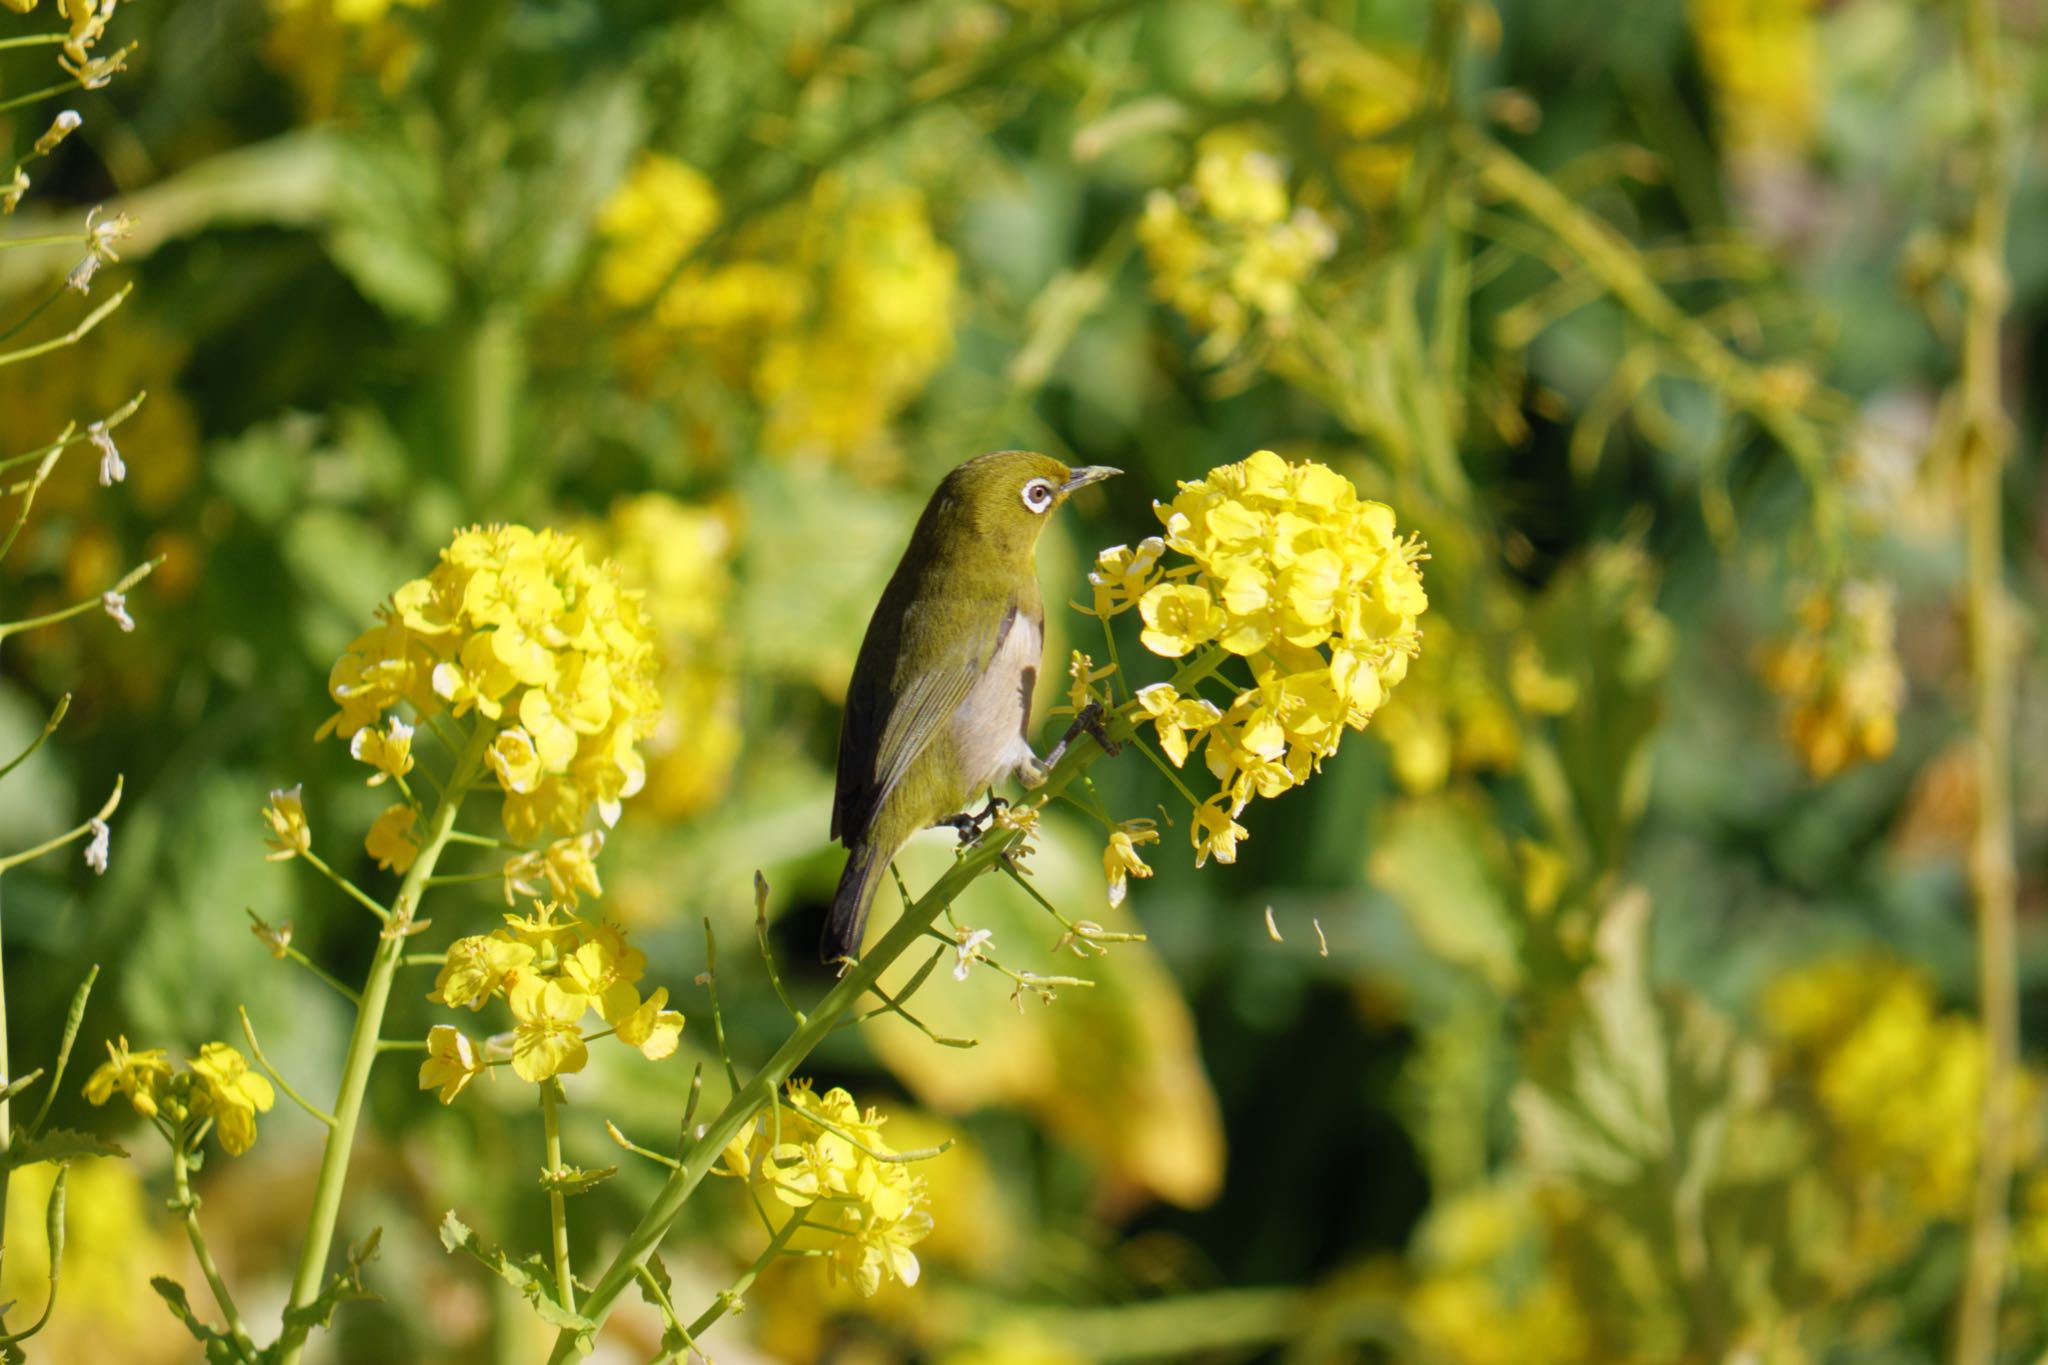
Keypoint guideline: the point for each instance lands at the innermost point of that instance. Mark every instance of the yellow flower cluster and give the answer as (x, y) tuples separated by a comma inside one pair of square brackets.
[(552, 970), (679, 558), (1288, 568), (1362, 95), (832, 315), (1839, 673), (216, 1085), (1453, 718), (865, 1208), (546, 648), (1762, 63), (1896, 1080), (321, 44), (1230, 249), (1474, 1301)]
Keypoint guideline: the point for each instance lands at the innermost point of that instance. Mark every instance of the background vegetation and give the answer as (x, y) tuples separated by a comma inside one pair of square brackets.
[(1641, 986)]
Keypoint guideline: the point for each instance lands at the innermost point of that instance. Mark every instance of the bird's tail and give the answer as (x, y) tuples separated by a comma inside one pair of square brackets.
[(850, 902)]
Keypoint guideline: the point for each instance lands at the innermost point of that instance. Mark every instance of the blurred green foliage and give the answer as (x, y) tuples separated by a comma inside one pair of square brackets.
[(1622, 1002)]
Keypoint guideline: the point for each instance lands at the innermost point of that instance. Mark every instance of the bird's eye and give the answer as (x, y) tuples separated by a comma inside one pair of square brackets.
[(1037, 494)]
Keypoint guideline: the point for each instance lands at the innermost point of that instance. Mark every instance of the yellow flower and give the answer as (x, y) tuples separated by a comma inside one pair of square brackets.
[(520, 632), (1121, 858), (285, 814), (452, 1062), (654, 1030), (478, 967), (605, 969), (1179, 617), (1840, 675), (231, 1093), (388, 751), (550, 931), (1175, 717), (391, 841), (864, 1213), (1083, 673), (565, 870), (135, 1074), (547, 1039), (1214, 831), (1763, 65), (650, 223), (1123, 575)]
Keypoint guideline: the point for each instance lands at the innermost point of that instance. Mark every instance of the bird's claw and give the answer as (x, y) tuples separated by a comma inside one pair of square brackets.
[(970, 828)]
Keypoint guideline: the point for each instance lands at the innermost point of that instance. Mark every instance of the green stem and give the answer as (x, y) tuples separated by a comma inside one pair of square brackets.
[(840, 1001), (726, 1300), (362, 1047), (1984, 436), (127, 581), (181, 1180), (90, 321), (558, 1208), (29, 854)]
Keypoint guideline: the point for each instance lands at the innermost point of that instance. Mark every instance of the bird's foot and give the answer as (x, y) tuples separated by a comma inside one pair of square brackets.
[(970, 828)]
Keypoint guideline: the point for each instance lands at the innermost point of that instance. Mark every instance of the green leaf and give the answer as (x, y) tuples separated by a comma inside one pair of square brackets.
[(1443, 863), (220, 1347), (61, 1145), (529, 1275), (345, 1287), (576, 1180)]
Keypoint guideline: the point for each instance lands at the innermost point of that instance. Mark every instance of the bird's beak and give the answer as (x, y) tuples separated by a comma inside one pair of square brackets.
[(1087, 474)]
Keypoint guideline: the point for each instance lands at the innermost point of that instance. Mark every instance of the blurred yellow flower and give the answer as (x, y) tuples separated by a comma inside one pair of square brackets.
[(452, 1062), (391, 840), (1225, 251), (321, 45), (1840, 677), (138, 1075), (678, 555), (650, 224), (285, 814), (564, 871), (1451, 719), (233, 1095), (1485, 1292), (1763, 66)]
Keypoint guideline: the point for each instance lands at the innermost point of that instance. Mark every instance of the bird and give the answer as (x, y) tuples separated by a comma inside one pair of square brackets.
[(939, 706)]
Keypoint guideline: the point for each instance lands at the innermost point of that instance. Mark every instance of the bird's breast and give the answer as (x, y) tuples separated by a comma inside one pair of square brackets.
[(990, 724)]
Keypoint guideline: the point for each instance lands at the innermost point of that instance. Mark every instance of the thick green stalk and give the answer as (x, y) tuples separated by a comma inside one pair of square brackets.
[(558, 1212), (840, 1002), (362, 1045), (1984, 436)]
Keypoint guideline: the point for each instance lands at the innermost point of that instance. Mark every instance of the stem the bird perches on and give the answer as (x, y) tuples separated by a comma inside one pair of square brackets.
[(757, 1093)]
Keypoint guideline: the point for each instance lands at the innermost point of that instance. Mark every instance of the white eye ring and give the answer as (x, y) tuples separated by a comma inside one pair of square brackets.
[(1037, 494)]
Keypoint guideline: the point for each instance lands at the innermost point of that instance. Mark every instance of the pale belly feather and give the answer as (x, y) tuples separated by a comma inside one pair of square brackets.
[(989, 725)]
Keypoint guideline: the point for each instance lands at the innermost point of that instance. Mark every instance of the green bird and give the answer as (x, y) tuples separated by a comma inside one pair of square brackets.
[(939, 708)]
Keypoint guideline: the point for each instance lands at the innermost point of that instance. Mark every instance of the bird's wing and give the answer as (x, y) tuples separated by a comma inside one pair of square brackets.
[(890, 720)]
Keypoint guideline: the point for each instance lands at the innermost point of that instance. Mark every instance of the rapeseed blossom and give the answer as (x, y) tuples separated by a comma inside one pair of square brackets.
[(216, 1085), (1230, 250), (519, 632), (867, 1205), (1839, 674), (1287, 568), (552, 969)]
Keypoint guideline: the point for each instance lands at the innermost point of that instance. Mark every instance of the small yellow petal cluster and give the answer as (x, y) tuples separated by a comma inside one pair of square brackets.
[(285, 816), (1762, 62), (1288, 568), (1897, 1082), (389, 751), (522, 631), (650, 224), (1452, 719), (1362, 94), (564, 871), (216, 1085), (1485, 1292), (552, 969), (1120, 859), (867, 1206), (831, 315), (678, 556), (1840, 677), (1230, 250), (323, 46)]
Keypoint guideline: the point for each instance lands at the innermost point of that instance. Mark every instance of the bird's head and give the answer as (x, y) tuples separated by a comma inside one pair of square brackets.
[(1008, 496)]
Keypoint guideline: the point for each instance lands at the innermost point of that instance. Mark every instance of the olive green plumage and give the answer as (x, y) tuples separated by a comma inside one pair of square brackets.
[(939, 708)]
